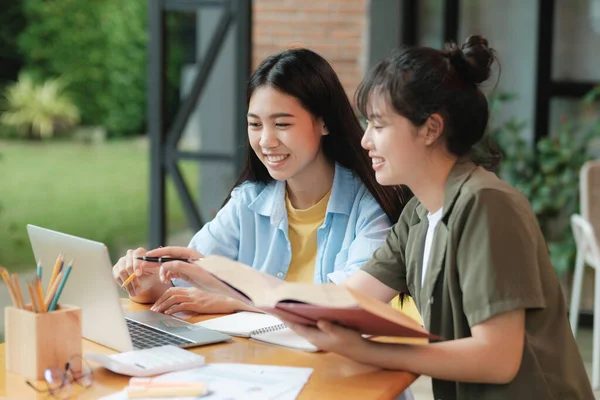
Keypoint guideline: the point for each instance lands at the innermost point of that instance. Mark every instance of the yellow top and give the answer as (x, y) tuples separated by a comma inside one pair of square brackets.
[(302, 231)]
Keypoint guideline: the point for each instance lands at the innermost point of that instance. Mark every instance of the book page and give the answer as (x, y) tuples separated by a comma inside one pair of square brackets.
[(254, 284), (266, 291), (326, 294), (307, 302)]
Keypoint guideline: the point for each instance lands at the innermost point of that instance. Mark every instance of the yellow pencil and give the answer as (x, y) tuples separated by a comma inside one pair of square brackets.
[(40, 289), (52, 291), (18, 292), (56, 269), (39, 300), (9, 285), (128, 280), (32, 295)]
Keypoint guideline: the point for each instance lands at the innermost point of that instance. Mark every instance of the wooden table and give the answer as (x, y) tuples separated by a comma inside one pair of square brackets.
[(334, 377)]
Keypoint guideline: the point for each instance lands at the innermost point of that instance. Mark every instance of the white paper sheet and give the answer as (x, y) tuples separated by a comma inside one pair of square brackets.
[(240, 381)]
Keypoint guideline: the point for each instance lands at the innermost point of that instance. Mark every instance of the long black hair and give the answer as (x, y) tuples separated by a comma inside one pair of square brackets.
[(421, 81), (308, 77)]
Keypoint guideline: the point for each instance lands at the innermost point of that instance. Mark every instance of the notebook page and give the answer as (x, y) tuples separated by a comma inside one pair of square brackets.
[(286, 338), (241, 323)]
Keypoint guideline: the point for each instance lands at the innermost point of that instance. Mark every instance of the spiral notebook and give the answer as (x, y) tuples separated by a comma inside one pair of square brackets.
[(259, 327)]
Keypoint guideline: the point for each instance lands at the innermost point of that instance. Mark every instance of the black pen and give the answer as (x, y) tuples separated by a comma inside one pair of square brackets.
[(163, 259)]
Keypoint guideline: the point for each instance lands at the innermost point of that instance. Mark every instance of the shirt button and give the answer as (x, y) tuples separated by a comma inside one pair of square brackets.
[(280, 274)]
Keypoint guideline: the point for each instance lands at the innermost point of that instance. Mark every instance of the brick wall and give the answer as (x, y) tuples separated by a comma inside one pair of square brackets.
[(333, 28)]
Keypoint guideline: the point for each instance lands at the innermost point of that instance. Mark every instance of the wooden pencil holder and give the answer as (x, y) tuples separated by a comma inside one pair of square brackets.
[(37, 341)]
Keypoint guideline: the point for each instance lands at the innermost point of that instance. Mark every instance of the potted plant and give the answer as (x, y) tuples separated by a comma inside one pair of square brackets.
[(547, 173)]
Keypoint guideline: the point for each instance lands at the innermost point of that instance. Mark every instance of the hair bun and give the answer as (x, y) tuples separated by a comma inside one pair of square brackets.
[(473, 60)]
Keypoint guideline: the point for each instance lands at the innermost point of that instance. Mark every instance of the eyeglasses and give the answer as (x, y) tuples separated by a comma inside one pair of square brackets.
[(59, 380)]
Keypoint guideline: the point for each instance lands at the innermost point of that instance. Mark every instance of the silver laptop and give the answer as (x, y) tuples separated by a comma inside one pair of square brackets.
[(91, 286)]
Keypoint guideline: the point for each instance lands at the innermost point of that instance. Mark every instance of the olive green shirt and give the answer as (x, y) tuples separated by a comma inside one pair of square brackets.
[(488, 257)]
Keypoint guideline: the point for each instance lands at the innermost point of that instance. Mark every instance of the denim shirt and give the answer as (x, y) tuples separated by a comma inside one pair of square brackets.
[(252, 228)]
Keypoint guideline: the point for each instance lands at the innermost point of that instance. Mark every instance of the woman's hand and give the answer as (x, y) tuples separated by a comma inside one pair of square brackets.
[(147, 273), (188, 272), (128, 265), (330, 337), (190, 299)]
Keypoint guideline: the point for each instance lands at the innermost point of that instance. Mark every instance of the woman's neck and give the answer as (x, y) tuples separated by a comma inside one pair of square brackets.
[(431, 185), (312, 184)]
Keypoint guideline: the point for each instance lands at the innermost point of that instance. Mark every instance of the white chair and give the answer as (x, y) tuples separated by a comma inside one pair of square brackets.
[(584, 228)]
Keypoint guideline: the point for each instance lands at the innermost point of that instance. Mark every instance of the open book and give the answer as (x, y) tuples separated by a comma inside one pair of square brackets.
[(260, 327), (300, 303)]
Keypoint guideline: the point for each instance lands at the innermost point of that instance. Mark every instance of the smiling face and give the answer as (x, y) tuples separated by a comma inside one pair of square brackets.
[(284, 135), (393, 143)]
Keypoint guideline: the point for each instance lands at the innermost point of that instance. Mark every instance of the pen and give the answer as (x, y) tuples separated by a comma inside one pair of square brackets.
[(156, 260), (163, 259)]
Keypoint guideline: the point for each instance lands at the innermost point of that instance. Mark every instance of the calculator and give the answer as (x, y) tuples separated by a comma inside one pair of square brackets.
[(148, 362)]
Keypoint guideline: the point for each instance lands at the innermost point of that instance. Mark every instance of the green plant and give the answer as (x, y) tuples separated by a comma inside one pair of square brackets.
[(547, 173), (101, 45), (38, 110), (64, 37)]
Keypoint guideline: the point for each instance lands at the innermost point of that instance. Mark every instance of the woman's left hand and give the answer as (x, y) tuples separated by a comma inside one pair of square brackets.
[(330, 337), (191, 299)]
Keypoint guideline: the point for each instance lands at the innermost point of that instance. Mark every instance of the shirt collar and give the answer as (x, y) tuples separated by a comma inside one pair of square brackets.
[(271, 201), (459, 174)]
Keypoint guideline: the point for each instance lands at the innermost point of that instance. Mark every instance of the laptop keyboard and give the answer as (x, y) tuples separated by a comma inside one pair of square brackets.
[(145, 337)]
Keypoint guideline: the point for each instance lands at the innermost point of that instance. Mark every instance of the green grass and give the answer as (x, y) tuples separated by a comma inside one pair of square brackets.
[(98, 192)]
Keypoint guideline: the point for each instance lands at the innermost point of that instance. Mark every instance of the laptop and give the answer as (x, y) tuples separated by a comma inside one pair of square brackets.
[(92, 287)]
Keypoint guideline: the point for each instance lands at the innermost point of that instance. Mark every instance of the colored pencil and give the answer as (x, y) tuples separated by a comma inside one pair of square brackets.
[(33, 296), (128, 280), (56, 270), (9, 285), (52, 291), (61, 286), (40, 290), (18, 292)]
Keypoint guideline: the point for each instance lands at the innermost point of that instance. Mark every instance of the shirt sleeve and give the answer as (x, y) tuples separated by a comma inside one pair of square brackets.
[(219, 236), (373, 226), (388, 264), (498, 256)]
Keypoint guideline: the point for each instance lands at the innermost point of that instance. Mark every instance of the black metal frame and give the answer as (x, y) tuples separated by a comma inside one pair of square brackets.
[(451, 20), (546, 88), (164, 155), (410, 21)]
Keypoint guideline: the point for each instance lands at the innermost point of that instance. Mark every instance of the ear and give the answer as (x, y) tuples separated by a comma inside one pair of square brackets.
[(322, 127), (432, 129)]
